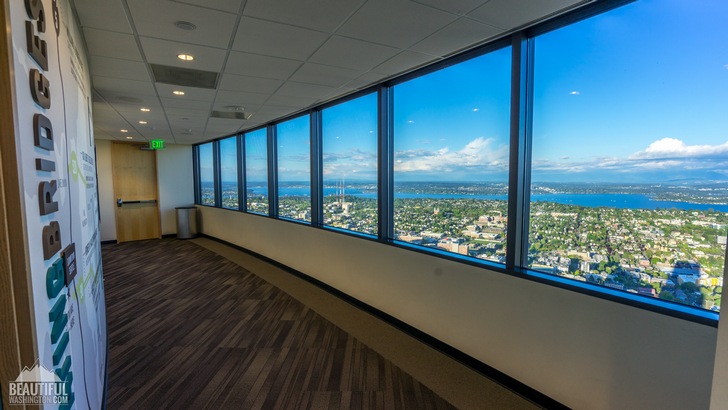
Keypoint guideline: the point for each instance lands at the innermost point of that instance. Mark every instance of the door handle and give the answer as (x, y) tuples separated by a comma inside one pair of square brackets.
[(119, 202)]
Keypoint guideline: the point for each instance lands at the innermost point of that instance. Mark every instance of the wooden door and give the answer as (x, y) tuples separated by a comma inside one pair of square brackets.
[(135, 190)]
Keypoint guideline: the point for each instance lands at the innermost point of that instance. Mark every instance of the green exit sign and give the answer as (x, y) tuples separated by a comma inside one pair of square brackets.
[(156, 144)]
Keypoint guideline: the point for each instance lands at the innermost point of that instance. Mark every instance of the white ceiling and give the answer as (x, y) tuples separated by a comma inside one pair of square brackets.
[(275, 57)]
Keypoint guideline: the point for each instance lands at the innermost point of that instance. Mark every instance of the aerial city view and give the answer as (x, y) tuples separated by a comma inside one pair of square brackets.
[(628, 167)]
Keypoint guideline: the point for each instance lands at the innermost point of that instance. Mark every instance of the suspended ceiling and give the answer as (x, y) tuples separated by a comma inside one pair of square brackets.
[(267, 58)]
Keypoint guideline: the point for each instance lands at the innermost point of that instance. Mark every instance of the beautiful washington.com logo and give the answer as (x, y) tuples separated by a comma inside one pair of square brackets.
[(38, 385)]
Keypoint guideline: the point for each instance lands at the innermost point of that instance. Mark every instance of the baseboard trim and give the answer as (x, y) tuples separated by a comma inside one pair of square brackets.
[(495, 375)]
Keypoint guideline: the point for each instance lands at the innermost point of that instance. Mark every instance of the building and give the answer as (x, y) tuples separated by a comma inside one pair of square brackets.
[(100, 77)]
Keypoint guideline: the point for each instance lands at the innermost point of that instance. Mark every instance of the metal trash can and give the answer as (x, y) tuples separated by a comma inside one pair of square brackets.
[(186, 222)]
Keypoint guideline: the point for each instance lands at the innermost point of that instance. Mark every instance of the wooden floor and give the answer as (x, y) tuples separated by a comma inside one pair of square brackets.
[(190, 329)]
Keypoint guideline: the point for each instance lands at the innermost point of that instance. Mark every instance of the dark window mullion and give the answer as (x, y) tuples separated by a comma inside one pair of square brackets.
[(385, 195), (196, 173), (272, 139), (317, 188), (217, 173), (519, 160), (243, 172)]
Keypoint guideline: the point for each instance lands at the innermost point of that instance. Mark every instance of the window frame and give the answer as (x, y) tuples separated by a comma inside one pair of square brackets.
[(521, 109)]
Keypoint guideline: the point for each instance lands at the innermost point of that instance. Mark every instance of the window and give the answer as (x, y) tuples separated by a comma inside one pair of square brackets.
[(207, 175), (229, 172), (294, 169), (256, 171), (629, 181), (349, 143), (451, 139), (626, 186)]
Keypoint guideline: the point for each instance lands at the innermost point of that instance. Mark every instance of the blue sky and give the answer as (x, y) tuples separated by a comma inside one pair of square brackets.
[(639, 94), (349, 140), (294, 150)]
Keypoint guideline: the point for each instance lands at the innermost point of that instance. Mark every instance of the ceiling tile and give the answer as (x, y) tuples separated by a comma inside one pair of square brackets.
[(185, 104), (100, 134), (224, 126), (291, 101), (156, 19), (134, 108), (187, 112), (256, 65), (353, 54), (190, 93), (396, 23), (459, 35), (232, 82), (366, 80), (119, 85), (402, 62), (165, 52), (341, 91), (509, 14), (278, 40), (458, 7), (230, 6), (238, 98), (324, 75), (109, 44), (295, 89), (306, 13), (113, 67), (276, 110), (187, 121), (103, 14)]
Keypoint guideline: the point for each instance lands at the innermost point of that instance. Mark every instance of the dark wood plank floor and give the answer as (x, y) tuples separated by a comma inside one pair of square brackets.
[(190, 329)]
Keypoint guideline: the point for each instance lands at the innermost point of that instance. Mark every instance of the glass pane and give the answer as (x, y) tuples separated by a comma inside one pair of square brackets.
[(294, 169), (229, 172), (207, 175), (256, 171), (350, 165), (451, 139), (630, 151)]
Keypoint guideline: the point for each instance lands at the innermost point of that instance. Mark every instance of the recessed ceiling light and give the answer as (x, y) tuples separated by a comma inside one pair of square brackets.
[(124, 130), (142, 122), (184, 25), (185, 57), (178, 92), (130, 138), (145, 109)]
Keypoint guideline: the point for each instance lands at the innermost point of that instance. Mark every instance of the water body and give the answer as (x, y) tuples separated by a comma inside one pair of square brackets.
[(631, 201)]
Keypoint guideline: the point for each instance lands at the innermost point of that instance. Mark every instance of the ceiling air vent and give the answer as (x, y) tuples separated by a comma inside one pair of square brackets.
[(231, 115), (186, 77)]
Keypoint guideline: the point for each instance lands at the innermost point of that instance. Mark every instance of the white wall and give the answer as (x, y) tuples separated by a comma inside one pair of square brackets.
[(583, 351), (175, 182), (174, 179), (106, 190)]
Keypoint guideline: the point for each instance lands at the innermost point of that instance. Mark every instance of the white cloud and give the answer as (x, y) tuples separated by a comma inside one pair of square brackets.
[(677, 149), (575, 93), (726, 66), (667, 155), (350, 162), (477, 155)]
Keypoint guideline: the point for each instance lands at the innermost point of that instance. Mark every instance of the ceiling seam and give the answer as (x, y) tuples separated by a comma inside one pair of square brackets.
[(125, 5)]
